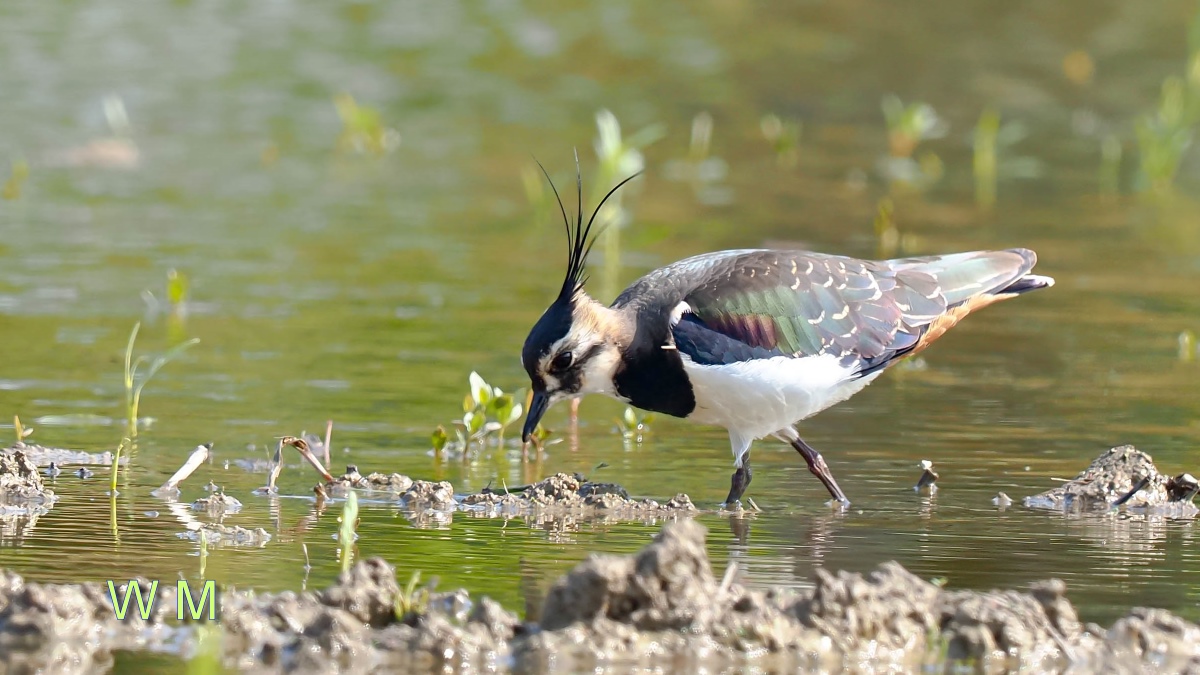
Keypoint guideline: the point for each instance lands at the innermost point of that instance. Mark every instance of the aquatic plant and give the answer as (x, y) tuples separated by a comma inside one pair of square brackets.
[(22, 432), (1109, 175), (784, 138), (1188, 351), (619, 158), (1164, 137), (347, 530), (909, 125), (363, 130), (411, 600), (133, 385), (632, 426), (993, 159), (700, 169), (487, 410), (116, 464)]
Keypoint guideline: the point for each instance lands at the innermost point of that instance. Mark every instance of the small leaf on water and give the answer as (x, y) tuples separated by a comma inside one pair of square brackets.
[(475, 423), (480, 390), (647, 419)]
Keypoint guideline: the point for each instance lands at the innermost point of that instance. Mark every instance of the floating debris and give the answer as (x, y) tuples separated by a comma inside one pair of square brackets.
[(1002, 500), (198, 457), (928, 477)]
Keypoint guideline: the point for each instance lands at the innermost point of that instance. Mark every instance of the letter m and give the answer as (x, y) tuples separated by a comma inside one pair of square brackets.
[(145, 603), (209, 595)]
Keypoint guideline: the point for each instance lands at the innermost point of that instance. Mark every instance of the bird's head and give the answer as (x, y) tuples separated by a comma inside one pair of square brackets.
[(574, 348)]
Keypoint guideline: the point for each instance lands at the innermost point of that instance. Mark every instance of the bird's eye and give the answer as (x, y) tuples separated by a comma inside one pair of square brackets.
[(561, 362)]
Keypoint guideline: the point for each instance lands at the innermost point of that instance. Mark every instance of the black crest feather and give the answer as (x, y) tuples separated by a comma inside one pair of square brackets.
[(579, 235)]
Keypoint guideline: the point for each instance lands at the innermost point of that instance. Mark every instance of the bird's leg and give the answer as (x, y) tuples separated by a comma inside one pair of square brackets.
[(739, 481), (817, 465)]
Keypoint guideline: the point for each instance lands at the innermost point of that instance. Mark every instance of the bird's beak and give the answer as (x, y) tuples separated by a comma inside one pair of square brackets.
[(537, 408)]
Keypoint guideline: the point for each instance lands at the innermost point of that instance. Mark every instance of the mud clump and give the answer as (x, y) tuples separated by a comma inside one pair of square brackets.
[(216, 534), (217, 503), (1121, 473), (21, 488), (562, 493)]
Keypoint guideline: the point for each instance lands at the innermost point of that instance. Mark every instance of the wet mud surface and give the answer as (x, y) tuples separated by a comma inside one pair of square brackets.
[(664, 606)]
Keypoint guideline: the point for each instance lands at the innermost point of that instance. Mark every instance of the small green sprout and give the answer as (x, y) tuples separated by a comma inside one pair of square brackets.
[(1187, 346), (346, 532), (22, 432), (134, 386), (177, 287), (1164, 136), (784, 138), (486, 410), (632, 427), (992, 160), (125, 443), (412, 600), (1110, 165), (12, 187), (362, 128), (439, 439)]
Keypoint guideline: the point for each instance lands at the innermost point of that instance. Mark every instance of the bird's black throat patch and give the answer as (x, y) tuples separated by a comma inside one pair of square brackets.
[(653, 379)]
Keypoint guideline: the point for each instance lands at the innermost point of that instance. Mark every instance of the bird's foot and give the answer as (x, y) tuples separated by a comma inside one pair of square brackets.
[(734, 505), (842, 504)]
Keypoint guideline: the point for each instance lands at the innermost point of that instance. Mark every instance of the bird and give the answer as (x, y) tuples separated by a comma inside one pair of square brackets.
[(753, 340)]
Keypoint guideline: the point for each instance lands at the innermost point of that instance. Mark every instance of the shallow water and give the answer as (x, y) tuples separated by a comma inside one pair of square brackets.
[(328, 285)]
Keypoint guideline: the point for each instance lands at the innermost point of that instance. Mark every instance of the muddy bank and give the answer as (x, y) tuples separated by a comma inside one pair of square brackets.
[(1122, 477), (663, 607)]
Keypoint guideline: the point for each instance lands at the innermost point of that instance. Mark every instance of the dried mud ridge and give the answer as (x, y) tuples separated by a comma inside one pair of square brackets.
[(663, 606), (557, 494)]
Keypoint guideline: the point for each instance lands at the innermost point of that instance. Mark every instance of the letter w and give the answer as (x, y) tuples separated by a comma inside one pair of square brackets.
[(145, 603)]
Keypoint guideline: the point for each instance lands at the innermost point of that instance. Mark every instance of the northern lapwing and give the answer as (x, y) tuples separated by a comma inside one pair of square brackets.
[(754, 340)]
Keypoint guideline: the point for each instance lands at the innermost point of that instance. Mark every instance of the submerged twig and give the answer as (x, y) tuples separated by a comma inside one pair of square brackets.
[(302, 446), (328, 438), (1142, 482), (198, 457), (276, 468)]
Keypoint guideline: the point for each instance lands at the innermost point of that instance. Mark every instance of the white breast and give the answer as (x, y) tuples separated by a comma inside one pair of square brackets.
[(758, 398)]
